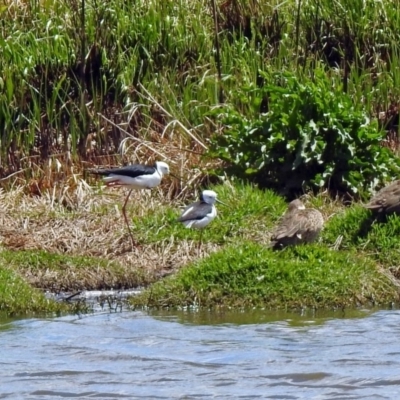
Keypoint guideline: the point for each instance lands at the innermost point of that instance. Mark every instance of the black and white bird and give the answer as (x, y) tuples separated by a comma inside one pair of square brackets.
[(199, 214), (134, 177)]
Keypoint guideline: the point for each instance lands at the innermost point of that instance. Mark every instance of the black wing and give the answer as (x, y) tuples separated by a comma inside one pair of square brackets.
[(133, 171), (195, 211)]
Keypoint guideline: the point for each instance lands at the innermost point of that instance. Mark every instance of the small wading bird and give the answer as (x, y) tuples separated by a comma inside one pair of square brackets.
[(298, 225), (199, 214), (134, 177), (387, 200)]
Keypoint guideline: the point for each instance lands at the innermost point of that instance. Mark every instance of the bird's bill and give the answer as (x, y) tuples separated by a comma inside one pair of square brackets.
[(221, 202), (176, 177)]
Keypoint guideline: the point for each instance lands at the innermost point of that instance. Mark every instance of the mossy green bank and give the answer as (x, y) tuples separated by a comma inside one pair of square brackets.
[(354, 263), (18, 297), (251, 275), (26, 275)]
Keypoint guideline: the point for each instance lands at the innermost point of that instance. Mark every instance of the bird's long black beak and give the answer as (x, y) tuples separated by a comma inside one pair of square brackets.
[(221, 202), (180, 179), (174, 176)]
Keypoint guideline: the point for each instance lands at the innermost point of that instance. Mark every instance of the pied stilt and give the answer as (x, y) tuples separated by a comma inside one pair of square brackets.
[(199, 214), (134, 177)]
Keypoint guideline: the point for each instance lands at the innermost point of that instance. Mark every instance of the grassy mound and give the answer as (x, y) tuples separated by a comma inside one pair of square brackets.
[(60, 272), (18, 297), (251, 275), (249, 212), (244, 273), (375, 238)]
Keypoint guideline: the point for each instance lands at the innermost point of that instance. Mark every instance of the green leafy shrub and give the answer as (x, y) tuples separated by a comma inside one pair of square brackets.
[(311, 136)]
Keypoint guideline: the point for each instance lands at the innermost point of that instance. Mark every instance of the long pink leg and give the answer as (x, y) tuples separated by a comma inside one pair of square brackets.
[(126, 219)]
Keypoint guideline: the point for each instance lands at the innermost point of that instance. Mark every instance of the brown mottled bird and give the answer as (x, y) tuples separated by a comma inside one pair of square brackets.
[(387, 200), (298, 225)]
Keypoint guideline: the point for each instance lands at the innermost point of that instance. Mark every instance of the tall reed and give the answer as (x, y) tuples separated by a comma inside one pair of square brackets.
[(68, 68)]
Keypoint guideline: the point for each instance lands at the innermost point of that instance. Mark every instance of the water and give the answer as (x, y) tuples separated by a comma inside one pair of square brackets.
[(253, 355)]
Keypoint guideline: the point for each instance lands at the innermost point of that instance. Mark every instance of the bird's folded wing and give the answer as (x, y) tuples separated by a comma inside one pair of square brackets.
[(195, 211)]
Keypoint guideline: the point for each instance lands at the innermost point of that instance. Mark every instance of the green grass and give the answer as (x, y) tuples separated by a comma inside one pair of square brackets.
[(362, 232), (18, 297), (25, 274), (353, 223), (252, 276), (164, 51), (62, 272), (249, 211)]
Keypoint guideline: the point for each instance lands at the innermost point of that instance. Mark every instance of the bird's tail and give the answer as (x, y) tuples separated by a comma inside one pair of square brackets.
[(275, 245)]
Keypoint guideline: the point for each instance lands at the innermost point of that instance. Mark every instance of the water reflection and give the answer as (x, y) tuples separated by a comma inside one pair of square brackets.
[(304, 318), (186, 355)]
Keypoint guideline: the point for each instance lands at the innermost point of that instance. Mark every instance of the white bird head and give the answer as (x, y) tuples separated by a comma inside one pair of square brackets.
[(162, 168), (210, 197)]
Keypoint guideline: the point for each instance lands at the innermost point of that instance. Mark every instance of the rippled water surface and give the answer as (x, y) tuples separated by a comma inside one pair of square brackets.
[(199, 356)]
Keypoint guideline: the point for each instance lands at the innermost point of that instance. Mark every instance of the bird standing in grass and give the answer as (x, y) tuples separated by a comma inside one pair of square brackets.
[(387, 200), (134, 177), (298, 225), (199, 214)]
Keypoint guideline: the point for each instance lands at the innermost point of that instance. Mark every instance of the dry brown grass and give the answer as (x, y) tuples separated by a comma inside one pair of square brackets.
[(87, 221)]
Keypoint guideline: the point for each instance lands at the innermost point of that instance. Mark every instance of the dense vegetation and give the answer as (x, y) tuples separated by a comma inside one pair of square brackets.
[(312, 136), (305, 86)]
